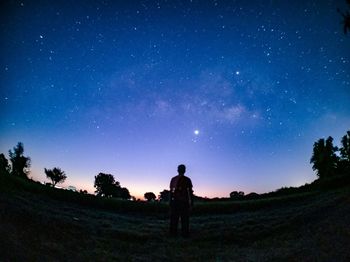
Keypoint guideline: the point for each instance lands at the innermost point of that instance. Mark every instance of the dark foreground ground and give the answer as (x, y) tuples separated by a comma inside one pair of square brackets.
[(40, 226)]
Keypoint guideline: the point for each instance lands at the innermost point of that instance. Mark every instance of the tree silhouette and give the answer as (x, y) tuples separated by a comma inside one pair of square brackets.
[(345, 149), (237, 195), (107, 186), (124, 193), (4, 165), (120, 192), (104, 184), (344, 163), (150, 196), (164, 196), (252, 195), (20, 163), (56, 175), (324, 159)]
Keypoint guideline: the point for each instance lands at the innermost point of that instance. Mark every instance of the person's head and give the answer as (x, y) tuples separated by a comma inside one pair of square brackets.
[(181, 169)]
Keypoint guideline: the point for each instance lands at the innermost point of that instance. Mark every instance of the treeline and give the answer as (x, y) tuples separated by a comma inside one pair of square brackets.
[(105, 184), (331, 164), (19, 166)]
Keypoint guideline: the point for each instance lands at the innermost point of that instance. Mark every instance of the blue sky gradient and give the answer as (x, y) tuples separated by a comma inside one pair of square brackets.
[(237, 90)]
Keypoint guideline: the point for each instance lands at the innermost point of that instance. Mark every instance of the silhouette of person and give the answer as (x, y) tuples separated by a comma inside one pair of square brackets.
[(181, 201)]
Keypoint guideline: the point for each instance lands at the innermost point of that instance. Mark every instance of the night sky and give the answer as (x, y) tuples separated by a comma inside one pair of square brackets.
[(237, 90)]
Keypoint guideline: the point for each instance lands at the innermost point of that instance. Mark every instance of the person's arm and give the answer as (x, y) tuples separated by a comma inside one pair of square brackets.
[(190, 193), (171, 192)]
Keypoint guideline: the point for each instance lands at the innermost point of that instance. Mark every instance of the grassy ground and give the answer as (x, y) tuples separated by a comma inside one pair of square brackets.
[(43, 224)]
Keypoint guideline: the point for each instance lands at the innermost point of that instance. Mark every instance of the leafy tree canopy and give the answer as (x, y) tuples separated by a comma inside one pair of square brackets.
[(20, 163), (4, 165), (344, 162), (107, 186), (345, 149), (164, 196), (324, 158), (104, 184), (237, 194), (150, 196), (56, 175)]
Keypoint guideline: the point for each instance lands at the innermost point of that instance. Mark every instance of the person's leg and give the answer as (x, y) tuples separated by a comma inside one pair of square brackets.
[(174, 219), (185, 221)]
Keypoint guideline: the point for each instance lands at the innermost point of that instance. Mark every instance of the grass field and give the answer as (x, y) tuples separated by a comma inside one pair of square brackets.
[(38, 223)]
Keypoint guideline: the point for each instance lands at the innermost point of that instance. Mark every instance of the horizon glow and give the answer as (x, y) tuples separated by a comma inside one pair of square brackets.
[(237, 91)]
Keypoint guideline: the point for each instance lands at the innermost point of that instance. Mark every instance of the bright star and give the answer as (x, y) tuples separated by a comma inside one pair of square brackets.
[(196, 132)]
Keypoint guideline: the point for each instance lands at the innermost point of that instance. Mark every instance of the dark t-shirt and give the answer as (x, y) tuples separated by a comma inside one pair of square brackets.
[(181, 189)]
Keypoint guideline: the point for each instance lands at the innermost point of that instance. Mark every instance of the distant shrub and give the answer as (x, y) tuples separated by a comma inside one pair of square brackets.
[(150, 196)]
